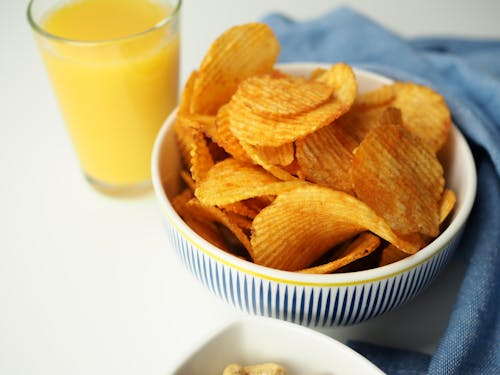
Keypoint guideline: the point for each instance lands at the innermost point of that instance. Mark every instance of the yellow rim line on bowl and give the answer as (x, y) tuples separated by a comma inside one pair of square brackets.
[(299, 283)]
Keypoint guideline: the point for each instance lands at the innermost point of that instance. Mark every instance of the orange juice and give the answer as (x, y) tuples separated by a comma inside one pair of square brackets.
[(114, 68)]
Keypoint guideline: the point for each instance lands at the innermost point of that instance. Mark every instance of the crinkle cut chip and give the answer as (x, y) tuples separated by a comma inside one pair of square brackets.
[(400, 178), (240, 52), (302, 224)]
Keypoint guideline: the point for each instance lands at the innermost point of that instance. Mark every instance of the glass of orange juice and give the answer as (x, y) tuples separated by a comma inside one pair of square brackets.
[(114, 67)]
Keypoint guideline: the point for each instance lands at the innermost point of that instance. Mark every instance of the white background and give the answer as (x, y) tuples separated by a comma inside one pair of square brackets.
[(88, 283)]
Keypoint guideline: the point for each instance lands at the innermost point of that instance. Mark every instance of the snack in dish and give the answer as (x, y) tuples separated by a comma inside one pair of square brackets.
[(302, 173), (259, 369)]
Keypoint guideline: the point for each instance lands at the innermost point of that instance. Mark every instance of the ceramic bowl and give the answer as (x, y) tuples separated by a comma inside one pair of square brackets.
[(258, 340), (313, 300)]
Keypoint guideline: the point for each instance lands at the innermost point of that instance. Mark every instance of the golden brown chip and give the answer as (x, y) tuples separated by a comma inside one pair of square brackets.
[(362, 246), (391, 254), (266, 155), (193, 148), (353, 127), (180, 200), (204, 228), (225, 137), (232, 181), (391, 115), (260, 369), (257, 204), (204, 123), (201, 158), (208, 231), (187, 93), (243, 222), (324, 160), (241, 208), (210, 213), (253, 129), (382, 96), (316, 73), (446, 205), (425, 112), (295, 170), (240, 52), (400, 178), (281, 155), (302, 224), (184, 135), (275, 97)]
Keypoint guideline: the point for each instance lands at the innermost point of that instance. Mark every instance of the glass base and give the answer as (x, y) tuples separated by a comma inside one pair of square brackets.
[(126, 190)]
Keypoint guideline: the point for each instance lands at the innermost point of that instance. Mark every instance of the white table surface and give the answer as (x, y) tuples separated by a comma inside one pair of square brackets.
[(88, 283)]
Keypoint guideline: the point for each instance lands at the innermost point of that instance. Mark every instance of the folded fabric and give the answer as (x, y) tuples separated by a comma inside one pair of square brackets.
[(467, 74)]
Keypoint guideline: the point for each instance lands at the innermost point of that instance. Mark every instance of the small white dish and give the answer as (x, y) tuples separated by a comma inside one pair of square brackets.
[(254, 340)]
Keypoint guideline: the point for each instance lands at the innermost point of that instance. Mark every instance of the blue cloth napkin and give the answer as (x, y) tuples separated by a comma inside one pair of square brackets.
[(467, 74)]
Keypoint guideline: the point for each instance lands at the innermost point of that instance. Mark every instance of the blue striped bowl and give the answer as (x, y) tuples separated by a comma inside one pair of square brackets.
[(313, 300)]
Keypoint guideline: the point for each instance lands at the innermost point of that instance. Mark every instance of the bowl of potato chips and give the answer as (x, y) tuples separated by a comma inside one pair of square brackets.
[(315, 193)]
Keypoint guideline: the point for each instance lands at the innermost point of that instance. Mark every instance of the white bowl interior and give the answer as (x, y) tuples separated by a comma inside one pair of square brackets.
[(259, 340), (460, 176)]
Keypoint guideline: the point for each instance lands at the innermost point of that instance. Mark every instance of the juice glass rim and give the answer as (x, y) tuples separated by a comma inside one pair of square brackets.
[(39, 28)]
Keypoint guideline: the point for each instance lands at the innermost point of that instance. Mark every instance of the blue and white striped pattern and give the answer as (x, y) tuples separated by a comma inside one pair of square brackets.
[(309, 305)]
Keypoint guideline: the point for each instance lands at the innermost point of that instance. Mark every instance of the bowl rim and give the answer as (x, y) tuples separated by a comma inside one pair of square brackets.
[(323, 280)]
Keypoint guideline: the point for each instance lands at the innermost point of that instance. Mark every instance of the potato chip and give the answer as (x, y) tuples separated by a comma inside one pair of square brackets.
[(209, 231), (259, 369), (302, 224), (201, 158), (399, 178), (241, 208), (187, 93), (391, 115), (425, 113), (281, 155), (294, 169), (225, 137), (257, 204), (391, 254), (253, 129), (243, 222), (240, 52), (316, 73), (446, 205), (362, 246), (204, 228), (382, 96), (353, 127), (204, 123), (232, 181), (193, 147), (180, 200), (210, 213), (324, 160), (275, 97), (267, 156)]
